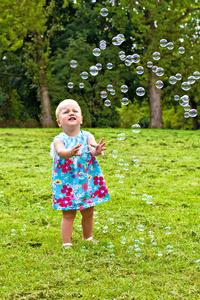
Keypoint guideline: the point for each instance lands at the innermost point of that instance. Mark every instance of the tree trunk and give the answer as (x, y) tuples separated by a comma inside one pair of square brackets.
[(155, 103), (43, 62), (195, 119), (46, 117)]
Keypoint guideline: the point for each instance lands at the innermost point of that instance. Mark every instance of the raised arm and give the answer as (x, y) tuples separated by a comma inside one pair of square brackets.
[(63, 152)]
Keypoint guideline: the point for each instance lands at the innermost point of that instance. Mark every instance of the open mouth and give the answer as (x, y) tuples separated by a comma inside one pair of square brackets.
[(72, 119)]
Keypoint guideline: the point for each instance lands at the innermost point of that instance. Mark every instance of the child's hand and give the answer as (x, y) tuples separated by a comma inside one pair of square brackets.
[(99, 147), (75, 149)]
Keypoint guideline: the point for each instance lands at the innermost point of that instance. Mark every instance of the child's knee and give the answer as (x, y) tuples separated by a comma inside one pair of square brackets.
[(69, 215), (88, 212)]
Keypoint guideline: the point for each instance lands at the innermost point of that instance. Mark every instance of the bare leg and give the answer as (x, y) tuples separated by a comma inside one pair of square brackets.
[(87, 221), (67, 225)]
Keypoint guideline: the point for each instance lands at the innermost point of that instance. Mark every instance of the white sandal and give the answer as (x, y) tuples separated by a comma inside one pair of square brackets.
[(67, 245), (90, 239)]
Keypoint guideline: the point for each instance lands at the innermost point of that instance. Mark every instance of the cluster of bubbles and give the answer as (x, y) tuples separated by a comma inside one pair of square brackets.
[(135, 59), (146, 237)]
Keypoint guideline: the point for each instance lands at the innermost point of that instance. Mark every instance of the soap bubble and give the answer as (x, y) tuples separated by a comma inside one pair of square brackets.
[(81, 85), (121, 53), (178, 76), (136, 58), (184, 99), (172, 79), (121, 37), (121, 137), (99, 66), (159, 84), (176, 97), (129, 60), (196, 75), (73, 63), (170, 46), (109, 66), (70, 85), (124, 88), (126, 166), (154, 69), (139, 70), (84, 75), (115, 41), (112, 92), (163, 43), (93, 70), (187, 108), (191, 79), (107, 103), (102, 45), (122, 57), (135, 128), (104, 12), (185, 86), (140, 91), (159, 71), (115, 155), (149, 64), (186, 114), (96, 52), (125, 101), (181, 50), (109, 87), (156, 55), (103, 94), (193, 113)]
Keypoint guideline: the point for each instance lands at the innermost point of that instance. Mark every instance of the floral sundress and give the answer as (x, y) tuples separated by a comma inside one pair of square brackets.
[(77, 183)]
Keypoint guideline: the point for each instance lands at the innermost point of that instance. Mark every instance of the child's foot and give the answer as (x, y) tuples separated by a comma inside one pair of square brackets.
[(67, 245)]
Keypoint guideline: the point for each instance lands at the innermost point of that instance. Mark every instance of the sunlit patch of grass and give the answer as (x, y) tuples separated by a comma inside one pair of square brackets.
[(148, 234)]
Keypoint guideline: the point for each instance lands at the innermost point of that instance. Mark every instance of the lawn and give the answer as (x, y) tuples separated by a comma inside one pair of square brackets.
[(148, 234)]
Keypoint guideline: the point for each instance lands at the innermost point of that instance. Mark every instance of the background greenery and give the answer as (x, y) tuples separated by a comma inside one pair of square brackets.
[(35, 266), (39, 39)]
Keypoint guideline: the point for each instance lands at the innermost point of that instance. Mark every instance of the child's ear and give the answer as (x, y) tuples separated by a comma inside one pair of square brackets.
[(58, 123), (82, 120)]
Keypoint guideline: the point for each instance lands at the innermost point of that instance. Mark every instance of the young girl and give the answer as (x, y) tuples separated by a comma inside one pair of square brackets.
[(77, 180)]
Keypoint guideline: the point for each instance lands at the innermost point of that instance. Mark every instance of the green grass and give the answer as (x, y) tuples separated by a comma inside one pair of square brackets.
[(35, 266)]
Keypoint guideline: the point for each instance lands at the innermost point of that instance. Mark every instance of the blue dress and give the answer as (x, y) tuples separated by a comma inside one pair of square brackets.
[(77, 183)]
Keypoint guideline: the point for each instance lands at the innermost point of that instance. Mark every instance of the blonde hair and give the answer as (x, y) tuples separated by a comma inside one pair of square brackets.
[(61, 104)]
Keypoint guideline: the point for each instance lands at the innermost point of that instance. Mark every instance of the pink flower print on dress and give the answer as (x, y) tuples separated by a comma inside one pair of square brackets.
[(85, 186), (98, 180), (80, 207), (66, 201), (101, 192), (66, 190), (90, 202), (66, 167)]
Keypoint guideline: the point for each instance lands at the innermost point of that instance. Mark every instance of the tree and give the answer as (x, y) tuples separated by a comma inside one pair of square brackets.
[(152, 21)]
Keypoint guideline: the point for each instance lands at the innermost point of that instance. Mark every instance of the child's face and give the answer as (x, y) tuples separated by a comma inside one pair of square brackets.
[(69, 115)]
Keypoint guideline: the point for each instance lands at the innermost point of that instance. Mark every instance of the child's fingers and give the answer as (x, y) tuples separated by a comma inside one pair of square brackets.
[(101, 140)]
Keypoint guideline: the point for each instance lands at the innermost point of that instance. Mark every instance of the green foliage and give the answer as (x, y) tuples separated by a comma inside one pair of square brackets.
[(173, 118), (134, 114), (34, 264), (12, 108), (3, 97), (95, 114)]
